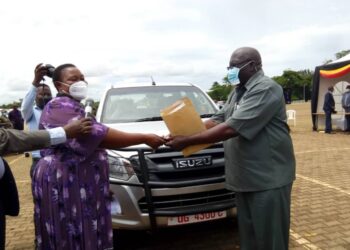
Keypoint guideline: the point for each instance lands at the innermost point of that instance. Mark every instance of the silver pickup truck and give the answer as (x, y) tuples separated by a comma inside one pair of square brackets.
[(162, 188)]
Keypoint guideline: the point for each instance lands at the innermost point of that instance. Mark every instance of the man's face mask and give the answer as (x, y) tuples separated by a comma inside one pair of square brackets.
[(232, 74)]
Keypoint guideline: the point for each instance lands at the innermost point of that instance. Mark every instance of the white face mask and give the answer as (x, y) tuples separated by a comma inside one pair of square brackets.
[(78, 90)]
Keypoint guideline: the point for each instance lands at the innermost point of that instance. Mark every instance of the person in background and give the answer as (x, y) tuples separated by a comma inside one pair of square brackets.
[(345, 102), (33, 103), (18, 141), (16, 118), (74, 177), (259, 155), (329, 109)]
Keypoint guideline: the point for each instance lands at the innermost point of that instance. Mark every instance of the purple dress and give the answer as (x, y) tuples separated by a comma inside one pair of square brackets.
[(70, 186)]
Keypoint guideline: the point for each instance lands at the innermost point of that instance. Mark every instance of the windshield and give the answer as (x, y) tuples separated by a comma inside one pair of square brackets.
[(138, 104)]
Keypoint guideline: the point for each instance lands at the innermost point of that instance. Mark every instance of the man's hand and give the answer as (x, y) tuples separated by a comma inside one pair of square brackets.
[(177, 142), (78, 128), (39, 73)]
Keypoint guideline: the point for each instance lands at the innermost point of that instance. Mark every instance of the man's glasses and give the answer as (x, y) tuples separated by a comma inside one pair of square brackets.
[(239, 65)]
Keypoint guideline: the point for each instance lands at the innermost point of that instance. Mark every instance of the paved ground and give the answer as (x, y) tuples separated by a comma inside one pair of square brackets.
[(320, 200)]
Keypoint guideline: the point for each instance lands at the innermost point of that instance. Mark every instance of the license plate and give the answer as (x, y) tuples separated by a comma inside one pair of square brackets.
[(194, 218), (192, 162)]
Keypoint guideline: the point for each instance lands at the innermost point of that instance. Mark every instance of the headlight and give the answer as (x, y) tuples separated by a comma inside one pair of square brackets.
[(120, 168)]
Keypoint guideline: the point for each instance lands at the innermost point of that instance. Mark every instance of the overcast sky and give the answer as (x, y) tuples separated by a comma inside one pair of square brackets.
[(173, 41)]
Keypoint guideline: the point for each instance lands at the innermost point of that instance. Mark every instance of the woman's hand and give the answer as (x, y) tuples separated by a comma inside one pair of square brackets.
[(154, 141)]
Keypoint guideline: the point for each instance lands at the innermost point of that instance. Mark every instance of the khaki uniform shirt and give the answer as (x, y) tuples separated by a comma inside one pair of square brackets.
[(261, 157), (12, 140)]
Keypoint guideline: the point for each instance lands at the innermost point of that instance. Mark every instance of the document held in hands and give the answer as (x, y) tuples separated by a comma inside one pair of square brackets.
[(181, 118)]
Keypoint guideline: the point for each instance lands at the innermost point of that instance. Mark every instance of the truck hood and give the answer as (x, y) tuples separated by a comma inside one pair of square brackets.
[(154, 127)]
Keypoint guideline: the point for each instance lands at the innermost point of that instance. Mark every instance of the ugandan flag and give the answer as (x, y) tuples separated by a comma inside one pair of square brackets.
[(334, 73)]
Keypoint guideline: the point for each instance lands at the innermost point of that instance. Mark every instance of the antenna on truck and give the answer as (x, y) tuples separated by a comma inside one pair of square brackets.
[(153, 82)]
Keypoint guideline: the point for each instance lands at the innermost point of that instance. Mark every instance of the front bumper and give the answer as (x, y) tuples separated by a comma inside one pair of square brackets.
[(149, 204), (134, 212)]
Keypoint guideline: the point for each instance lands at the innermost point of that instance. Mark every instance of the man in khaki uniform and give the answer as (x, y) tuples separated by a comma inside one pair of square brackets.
[(5, 122), (259, 157), (18, 141)]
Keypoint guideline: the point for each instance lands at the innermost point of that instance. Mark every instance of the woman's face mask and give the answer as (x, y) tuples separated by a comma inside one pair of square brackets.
[(78, 90), (232, 74)]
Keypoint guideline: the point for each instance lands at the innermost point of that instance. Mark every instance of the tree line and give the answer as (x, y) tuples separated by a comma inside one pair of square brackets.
[(298, 82)]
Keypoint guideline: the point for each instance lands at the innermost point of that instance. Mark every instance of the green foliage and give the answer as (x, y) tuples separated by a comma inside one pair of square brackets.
[(337, 55), (300, 82), (326, 61), (95, 107), (342, 53), (220, 92), (10, 105)]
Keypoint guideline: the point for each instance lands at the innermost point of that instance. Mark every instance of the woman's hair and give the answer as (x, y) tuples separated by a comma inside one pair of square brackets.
[(56, 76)]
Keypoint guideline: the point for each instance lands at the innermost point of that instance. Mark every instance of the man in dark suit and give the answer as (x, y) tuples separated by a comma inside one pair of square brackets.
[(329, 109), (12, 140), (16, 118)]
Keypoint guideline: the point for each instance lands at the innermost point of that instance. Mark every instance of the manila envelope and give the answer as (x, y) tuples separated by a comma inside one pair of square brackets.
[(181, 118)]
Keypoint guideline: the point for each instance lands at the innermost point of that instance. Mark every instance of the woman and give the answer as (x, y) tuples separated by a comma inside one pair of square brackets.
[(70, 184)]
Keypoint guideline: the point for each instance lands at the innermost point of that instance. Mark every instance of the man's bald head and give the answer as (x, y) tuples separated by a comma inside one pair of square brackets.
[(246, 55)]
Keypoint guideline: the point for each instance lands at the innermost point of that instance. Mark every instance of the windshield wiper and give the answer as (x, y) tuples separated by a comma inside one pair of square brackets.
[(146, 119), (206, 115)]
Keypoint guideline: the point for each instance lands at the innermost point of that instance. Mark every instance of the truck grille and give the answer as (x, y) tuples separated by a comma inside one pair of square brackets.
[(183, 201), (161, 167)]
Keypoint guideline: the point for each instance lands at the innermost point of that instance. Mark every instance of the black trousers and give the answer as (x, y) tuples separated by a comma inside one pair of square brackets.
[(9, 202), (347, 119), (264, 219), (328, 127), (2, 226)]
